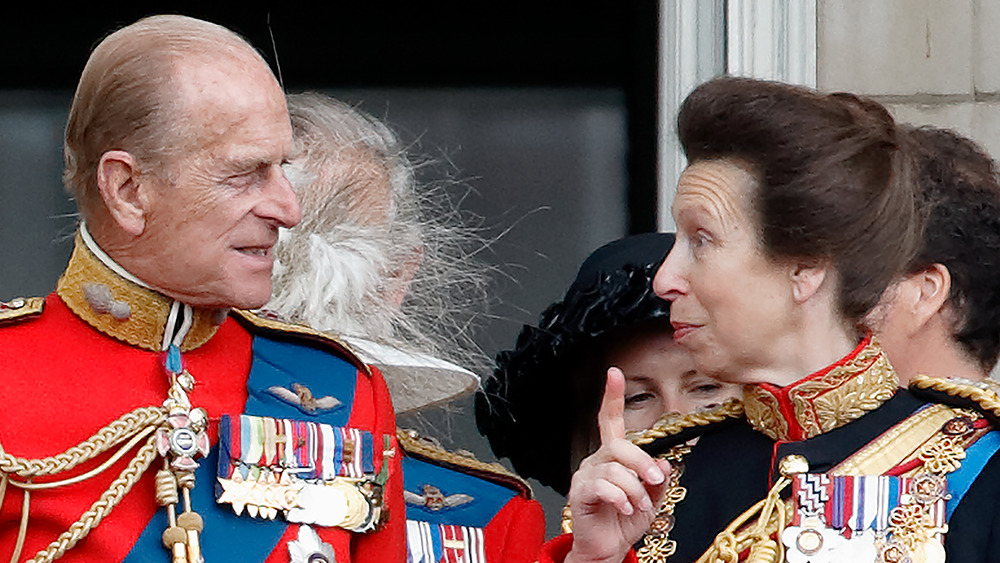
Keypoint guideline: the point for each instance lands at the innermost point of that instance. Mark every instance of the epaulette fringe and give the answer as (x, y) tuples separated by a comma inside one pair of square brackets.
[(415, 445), (674, 423)]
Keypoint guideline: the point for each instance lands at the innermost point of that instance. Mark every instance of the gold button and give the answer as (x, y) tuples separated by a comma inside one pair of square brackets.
[(793, 465)]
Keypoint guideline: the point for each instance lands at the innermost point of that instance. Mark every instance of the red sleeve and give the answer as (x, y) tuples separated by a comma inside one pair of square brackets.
[(388, 544), (556, 550), (516, 533)]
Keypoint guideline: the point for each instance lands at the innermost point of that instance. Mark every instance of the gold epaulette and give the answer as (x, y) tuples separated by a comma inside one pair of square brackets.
[(673, 424), (983, 396), (21, 308), (464, 462), (281, 327)]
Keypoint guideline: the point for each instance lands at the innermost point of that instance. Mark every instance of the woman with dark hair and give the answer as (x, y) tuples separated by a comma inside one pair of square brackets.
[(608, 317), (794, 215)]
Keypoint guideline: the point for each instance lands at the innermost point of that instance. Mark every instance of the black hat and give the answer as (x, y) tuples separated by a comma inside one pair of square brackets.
[(523, 409)]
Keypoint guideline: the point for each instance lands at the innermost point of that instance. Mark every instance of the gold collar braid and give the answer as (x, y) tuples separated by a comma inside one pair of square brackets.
[(825, 400), (122, 309)]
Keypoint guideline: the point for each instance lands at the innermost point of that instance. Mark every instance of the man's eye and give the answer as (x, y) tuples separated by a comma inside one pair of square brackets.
[(248, 179)]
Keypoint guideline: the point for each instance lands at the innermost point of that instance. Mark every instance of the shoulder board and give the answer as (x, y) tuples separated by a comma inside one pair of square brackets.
[(982, 396), (256, 323), (20, 308), (415, 445), (674, 428)]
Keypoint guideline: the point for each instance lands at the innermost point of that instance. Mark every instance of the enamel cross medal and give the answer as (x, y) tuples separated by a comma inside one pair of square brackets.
[(180, 440)]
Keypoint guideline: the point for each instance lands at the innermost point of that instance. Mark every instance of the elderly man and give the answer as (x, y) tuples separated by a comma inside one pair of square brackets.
[(943, 317), (351, 268), (267, 442)]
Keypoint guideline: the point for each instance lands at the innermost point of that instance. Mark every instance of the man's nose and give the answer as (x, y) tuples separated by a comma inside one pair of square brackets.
[(280, 205)]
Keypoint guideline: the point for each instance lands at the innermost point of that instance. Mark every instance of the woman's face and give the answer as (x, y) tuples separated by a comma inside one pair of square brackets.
[(730, 303), (660, 378)]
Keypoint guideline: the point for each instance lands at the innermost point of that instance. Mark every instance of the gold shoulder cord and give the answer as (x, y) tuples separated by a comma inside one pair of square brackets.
[(131, 428), (673, 423), (985, 394), (772, 515)]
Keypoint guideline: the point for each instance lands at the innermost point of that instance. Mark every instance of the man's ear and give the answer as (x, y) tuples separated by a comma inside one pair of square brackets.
[(807, 278), (934, 284), (119, 186)]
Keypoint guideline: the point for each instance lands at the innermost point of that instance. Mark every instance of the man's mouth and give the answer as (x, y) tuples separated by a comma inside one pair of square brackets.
[(254, 250)]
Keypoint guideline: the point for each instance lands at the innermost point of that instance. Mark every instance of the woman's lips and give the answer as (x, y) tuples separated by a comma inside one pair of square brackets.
[(683, 329)]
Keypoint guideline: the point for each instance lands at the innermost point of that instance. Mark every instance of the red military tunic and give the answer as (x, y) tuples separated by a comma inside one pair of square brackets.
[(70, 369)]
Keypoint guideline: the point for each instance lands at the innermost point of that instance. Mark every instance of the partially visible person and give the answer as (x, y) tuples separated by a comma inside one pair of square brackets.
[(794, 214), (380, 259), (942, 318), (374, 263), (143, 416), (540, 407)]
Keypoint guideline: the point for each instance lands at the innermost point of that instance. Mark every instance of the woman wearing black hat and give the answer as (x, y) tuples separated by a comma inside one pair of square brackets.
[(540, 407)]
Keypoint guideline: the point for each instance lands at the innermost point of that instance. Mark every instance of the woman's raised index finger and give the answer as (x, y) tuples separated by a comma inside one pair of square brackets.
[(611, 418)]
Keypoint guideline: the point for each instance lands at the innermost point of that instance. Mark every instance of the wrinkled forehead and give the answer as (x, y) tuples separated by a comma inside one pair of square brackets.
[(723, 187)]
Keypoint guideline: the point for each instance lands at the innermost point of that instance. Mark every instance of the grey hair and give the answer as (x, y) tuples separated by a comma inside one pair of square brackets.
[(367, 224)]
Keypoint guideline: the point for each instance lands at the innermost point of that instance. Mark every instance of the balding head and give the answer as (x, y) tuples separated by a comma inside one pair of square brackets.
[(126, 98), (174, 149)]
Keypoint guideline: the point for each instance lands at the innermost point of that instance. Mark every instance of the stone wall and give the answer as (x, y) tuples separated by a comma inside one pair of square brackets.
[(930, 61)]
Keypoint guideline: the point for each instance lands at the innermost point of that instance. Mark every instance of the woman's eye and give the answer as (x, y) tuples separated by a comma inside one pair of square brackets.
[(633, 401), (699, 239), (706, 389)]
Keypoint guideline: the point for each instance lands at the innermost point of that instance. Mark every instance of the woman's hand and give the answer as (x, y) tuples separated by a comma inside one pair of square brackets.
[(614, 494)]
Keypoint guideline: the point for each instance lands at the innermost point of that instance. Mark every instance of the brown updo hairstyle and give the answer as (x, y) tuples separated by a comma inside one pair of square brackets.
[(831, 179)]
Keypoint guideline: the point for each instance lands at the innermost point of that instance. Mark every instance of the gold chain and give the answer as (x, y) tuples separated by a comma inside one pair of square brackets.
[(656, 544)]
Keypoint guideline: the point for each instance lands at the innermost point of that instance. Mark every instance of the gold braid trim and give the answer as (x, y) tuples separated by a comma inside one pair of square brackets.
[(673, 423), (413, 444), (132, 426), (986, 398), (118, 431), (275, 325), (111, 497), (20, 307)]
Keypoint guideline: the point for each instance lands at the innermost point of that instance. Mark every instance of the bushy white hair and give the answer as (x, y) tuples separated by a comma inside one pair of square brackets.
[(367, 225)]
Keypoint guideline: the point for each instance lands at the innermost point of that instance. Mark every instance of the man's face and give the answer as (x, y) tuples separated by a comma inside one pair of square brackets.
[(210, 231)]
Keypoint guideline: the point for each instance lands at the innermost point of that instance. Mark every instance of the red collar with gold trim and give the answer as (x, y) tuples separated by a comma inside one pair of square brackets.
[(124, 310), (827, 399)]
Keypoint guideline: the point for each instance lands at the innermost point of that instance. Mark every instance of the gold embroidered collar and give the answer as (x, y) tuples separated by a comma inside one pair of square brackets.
[(827, 399), (124, 309)]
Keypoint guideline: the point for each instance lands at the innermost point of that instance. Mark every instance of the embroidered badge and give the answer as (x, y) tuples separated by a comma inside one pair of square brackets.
[(435, 500), (309, 548), (302, 398), (308, 472), (98, 296)]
